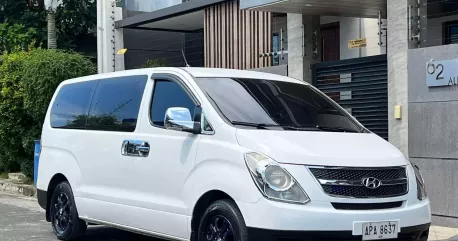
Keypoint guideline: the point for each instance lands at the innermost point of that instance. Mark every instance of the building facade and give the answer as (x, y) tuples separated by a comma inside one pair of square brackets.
[(382, 60)]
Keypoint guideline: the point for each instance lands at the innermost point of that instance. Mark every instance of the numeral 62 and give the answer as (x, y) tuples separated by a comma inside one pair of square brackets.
[(432, 70)]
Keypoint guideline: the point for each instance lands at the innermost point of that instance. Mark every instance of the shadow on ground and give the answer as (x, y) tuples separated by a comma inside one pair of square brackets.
[(103, 233)]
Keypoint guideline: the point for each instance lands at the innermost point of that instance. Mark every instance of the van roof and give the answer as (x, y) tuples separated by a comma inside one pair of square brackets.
[(194, 71)]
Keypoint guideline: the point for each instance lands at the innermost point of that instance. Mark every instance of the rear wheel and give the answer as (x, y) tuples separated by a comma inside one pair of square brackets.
[(64, 216), (222, 221)]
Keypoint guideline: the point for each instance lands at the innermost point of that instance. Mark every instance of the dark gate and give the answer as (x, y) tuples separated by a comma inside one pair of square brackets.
[(360, 86)]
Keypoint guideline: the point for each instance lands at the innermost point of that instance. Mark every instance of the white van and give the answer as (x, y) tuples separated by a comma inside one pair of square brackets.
[(221, 155)]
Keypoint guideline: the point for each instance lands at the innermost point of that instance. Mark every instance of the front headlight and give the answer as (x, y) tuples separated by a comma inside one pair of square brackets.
[(421, 189), (273, 181)]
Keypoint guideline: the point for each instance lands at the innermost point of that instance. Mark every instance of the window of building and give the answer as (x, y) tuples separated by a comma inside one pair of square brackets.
[(451, 32), (276, 49), (71, 105), (116, 104), (168, 94)]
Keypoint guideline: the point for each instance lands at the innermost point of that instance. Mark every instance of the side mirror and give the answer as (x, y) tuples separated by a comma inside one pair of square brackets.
[(180, 119)]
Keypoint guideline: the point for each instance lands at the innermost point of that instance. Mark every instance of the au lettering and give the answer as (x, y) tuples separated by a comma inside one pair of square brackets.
[(453, 81)]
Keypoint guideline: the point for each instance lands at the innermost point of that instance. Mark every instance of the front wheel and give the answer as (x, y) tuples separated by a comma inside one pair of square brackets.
[(222, 221), (64, 216)]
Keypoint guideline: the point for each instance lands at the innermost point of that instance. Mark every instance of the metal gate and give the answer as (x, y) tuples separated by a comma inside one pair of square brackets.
[(360, 86)]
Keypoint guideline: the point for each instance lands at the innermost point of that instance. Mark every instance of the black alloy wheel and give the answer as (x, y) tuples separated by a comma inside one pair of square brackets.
[(64, 216), (222, 221)]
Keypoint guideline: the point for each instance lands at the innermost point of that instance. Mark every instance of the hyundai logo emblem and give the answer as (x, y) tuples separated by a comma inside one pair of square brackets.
[(371, 182)]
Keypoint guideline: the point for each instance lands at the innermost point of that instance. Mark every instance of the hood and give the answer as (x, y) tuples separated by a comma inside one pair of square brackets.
[(322, 148)]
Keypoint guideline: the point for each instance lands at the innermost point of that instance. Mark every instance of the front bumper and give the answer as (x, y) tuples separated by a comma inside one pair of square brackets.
[(414, 233), (322, 216)]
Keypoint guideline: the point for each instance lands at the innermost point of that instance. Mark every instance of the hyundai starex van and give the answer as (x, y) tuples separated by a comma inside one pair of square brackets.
[(221, 155)]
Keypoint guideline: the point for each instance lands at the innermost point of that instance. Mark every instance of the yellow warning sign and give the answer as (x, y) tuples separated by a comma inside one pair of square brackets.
[(122, 51), (357, 43)]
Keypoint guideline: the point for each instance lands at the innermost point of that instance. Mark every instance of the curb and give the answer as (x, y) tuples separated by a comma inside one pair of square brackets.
[(11, 187)]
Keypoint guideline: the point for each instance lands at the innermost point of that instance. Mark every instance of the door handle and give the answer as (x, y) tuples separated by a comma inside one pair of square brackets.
[(135, 148), (143, 149)]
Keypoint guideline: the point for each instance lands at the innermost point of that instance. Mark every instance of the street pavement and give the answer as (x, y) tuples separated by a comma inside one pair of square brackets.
[(21, 219)]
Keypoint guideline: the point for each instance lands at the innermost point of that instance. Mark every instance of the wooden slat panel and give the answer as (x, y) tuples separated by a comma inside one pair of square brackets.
[(236, 32), (205, 38), (235, 38), (217, 33)]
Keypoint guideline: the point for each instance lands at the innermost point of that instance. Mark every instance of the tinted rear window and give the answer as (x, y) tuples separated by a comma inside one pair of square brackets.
[(116, 104), (71, 105)]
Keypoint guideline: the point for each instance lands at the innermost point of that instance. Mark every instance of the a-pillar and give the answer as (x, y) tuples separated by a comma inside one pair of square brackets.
[(109, 39), (303, 30)]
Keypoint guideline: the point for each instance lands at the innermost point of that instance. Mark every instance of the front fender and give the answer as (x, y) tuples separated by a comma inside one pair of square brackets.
[(221, 166)]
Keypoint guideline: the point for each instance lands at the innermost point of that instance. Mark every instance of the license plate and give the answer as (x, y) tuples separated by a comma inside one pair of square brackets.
[(380, 230)]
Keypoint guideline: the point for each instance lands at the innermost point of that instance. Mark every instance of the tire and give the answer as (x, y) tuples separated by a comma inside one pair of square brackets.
[(218, 216), (64, 216)]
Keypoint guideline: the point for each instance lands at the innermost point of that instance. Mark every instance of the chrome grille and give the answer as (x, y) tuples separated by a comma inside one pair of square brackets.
[(352, 174), (348, 182)]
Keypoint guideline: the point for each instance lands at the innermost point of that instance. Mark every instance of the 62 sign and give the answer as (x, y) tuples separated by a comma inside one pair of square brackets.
[(436, 70)]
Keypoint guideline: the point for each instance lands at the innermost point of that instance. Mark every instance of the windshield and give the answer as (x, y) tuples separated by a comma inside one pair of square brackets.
[(258, 103)]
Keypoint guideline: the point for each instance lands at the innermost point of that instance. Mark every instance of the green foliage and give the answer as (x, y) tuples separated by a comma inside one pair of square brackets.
[(151, 63), (28, 81), (3, 175), (13, 119), (27, 168), (75, 18), (12, 10), (15, 37)]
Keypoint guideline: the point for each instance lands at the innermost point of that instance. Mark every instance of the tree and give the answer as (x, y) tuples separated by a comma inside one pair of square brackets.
[(51, 8), (151, 63), (52, 31), (15, 37), (75, 20)]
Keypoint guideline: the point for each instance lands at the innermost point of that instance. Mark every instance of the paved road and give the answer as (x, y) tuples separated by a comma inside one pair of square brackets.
[(21, 219)]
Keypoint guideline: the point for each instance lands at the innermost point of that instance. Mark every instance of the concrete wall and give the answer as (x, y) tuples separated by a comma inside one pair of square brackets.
[(433, 132), (435, 29), (354, 28), (280, 70), (300, 59), (109, 39)]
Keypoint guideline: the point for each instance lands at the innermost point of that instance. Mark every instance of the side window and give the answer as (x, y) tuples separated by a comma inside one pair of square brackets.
[(206, 127), (167, 94), (71, 105), (116, 104)]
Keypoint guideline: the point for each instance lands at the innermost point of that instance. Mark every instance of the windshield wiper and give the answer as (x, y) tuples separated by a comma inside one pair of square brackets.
[(294, 128), (266, 126), (336, 129)]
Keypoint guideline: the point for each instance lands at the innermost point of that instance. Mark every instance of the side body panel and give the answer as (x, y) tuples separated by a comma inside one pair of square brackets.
[(90, 160)]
